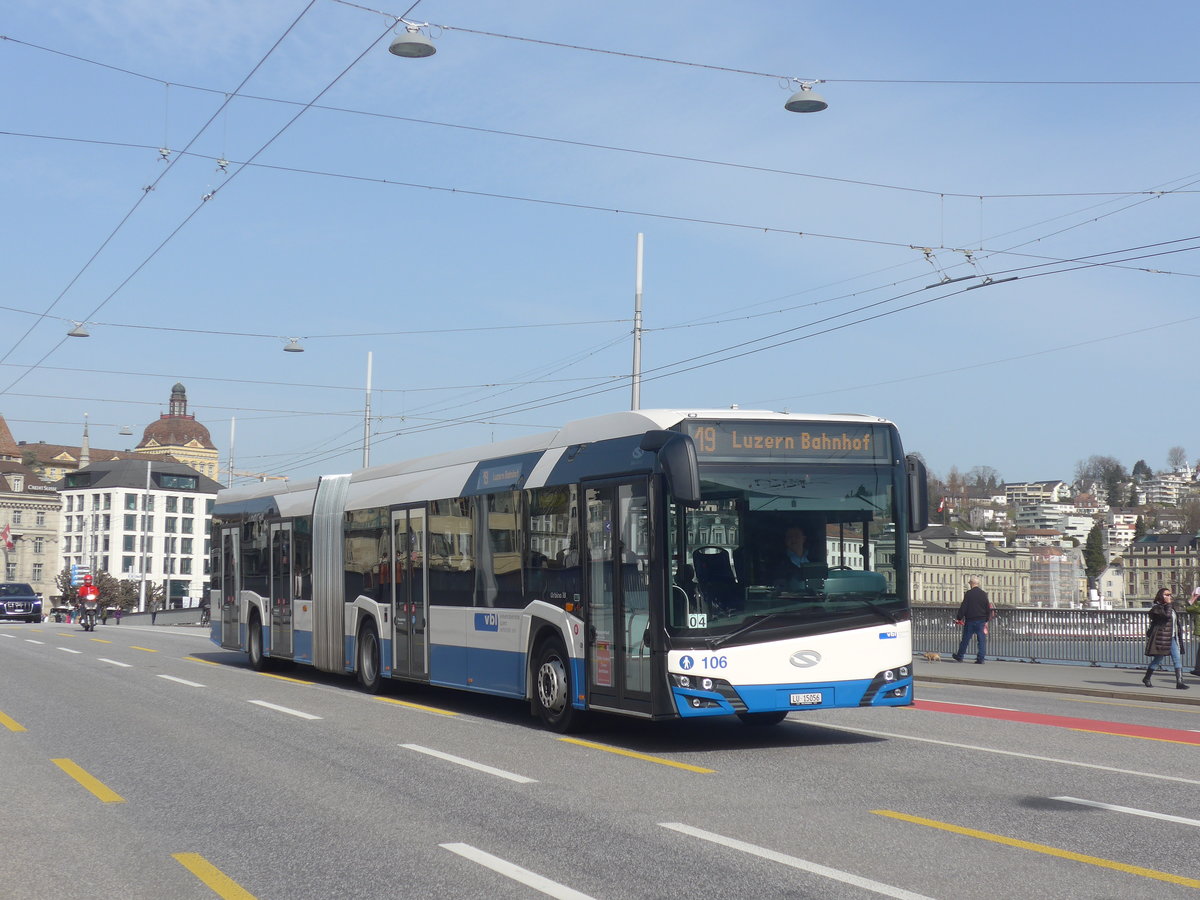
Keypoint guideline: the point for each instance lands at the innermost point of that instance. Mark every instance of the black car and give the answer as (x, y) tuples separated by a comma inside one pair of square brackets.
[(18, 601)]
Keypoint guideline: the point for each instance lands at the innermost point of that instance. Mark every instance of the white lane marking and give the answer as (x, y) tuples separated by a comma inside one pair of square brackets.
[(500, 773), (1049, 759), (32, 641), (283, 709), (114, 662), (68, 650), (796, 863), (13, 636), (516, 873), (972, 705), (181, 681), (1131, 811)]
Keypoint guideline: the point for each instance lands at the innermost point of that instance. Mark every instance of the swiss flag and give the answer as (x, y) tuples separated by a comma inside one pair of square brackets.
[(6, 536)]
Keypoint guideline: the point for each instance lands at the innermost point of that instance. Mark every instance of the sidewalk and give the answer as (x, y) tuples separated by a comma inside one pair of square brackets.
[(1093, 681)]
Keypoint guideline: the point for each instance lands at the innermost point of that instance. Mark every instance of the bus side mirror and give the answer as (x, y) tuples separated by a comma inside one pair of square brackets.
[(677, 460), (918, 494)]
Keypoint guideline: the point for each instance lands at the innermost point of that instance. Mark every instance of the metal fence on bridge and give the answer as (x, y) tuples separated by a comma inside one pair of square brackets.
[(1115, 637)]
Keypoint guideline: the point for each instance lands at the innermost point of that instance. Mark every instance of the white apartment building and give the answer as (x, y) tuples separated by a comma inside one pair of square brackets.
[(138, 520), (1164, 490), (1029, 493)]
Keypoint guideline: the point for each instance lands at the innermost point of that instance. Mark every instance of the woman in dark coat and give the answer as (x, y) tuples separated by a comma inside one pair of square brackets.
[(1164, 637)]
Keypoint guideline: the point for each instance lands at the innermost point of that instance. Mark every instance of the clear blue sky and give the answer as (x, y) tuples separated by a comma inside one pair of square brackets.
[(457, 216)]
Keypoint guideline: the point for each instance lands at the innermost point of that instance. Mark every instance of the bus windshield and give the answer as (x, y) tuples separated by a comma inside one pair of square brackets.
[(779, 545)]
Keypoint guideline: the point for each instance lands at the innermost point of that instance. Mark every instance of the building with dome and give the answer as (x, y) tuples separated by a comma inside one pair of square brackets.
[(179, 436)]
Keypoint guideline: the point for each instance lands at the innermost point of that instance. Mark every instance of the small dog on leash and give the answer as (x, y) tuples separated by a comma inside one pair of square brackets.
[(931, 657)]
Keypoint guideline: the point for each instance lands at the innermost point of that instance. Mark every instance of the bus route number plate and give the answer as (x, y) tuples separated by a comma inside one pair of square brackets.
[(813, 699)]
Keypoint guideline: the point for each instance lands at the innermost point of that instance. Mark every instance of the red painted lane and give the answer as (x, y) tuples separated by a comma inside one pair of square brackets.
[(1176, 735)]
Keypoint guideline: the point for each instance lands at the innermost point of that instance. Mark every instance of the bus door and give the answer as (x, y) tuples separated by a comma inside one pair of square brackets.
[(410, 594), (230, 587), (283, 589), (617, 574)]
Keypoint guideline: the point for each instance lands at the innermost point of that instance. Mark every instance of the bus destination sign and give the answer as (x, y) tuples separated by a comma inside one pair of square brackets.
[(789, 440)]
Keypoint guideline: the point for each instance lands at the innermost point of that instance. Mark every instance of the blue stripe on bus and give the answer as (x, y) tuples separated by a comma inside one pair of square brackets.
[(302, 646), (499, 672)]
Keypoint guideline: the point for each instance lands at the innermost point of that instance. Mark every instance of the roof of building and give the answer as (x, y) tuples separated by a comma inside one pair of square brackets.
[(131, 473), (31, 482), (8, 446)]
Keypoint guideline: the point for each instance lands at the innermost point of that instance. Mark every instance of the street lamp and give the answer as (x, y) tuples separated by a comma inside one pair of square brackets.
[(412, 44), (806, 100)]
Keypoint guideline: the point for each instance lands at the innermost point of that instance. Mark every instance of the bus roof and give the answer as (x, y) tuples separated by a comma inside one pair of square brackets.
[(299, 495)]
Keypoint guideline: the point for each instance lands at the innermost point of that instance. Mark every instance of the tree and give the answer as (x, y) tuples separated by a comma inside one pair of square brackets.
[(1141, 470), (1104, 470), (1139, 528), (1094, 559), (1177, 458), (983, 478), (1191, 516)]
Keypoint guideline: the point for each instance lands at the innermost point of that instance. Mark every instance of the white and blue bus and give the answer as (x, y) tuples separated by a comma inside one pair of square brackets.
[(642, 563)]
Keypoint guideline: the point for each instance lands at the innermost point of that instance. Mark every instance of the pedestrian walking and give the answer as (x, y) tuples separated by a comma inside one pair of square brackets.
[(153, 611), (1193, 609), (1164, 637), (117, 614), (973, 614)]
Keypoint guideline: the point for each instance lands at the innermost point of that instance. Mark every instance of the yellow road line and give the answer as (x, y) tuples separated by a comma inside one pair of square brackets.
[(147, 649), (93, 784), (1140, 737), (1149, 704), (432, 709), (216, 880), (642, 756), (285, 678), (10, 724), (207, 662), (100, 641), (1043, 848)]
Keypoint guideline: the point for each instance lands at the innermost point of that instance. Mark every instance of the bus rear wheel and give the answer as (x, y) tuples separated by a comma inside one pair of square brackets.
[(552, 687), (368, 660), (254, 645)]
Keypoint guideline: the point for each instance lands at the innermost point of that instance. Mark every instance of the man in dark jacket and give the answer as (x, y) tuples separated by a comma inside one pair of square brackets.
[(973, 614)]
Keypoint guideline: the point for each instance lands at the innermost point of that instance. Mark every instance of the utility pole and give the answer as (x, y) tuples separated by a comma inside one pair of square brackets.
[(636, 399), (367, 415)]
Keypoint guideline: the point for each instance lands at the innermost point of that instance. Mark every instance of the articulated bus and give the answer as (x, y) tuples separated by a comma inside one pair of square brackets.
[(655, 563)]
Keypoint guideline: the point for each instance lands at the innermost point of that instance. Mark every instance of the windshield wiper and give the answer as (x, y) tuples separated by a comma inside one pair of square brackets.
[(717, 642)]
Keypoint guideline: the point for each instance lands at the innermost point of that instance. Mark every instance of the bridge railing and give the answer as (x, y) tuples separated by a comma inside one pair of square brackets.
[(1113, 637)]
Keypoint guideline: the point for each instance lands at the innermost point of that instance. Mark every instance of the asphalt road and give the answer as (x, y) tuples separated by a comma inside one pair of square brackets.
[(146, 763)]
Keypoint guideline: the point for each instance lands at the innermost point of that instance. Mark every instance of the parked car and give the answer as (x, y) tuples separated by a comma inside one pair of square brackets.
[(19, 601)]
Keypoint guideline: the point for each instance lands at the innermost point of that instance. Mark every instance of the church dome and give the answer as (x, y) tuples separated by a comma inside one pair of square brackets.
[(176, 428)]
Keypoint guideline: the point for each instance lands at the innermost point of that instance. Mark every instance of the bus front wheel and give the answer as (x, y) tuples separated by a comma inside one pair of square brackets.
[(368, 660), (552, 687)]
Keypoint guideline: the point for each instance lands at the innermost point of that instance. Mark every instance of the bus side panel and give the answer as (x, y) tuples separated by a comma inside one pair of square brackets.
[(448, 644), (496, 651), (302, 632)]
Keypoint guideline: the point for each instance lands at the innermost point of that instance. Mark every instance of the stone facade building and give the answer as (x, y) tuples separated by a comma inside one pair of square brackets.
[(30, 509), (941, 560), (1157, 561)]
